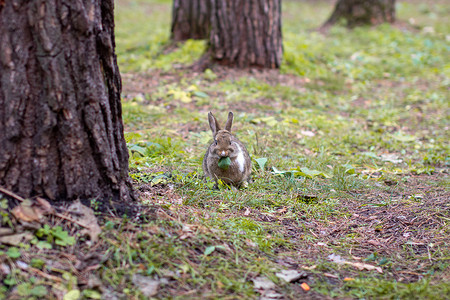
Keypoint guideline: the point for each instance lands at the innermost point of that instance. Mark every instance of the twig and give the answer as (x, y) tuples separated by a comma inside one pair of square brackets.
[(410, 273), (70, 219), (45, 275), (429, 254), (11, 194)]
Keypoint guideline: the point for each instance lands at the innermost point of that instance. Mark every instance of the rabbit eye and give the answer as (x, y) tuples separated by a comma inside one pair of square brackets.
[(215, 143)]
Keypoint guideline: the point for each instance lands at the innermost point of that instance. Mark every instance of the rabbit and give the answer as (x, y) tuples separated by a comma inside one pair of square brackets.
[(226, 145)]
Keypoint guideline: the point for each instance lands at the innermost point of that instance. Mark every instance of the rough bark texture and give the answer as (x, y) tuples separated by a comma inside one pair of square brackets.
[(363, 12), (190, 19), (61, 130), (246, 33)]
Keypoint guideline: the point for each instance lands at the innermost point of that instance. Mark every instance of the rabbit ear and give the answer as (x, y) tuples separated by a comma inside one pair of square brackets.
[(229, 122), (213, 124)]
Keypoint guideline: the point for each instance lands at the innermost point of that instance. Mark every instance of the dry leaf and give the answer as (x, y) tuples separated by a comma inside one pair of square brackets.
[(282, 210), (147, 285), (305, 286), (330, 275), (44, 206), (187, 231), (374, 243), (348, 279), (291, 275), (308, 133), (309, 268), (16, 239), (86, 217), (270, 295), (250, 243), (4, 269), (30, 211), (336, 258), (25, 212), (6, 231), (263, 283), (362, 266)]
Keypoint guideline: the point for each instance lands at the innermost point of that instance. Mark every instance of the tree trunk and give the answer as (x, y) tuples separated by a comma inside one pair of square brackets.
[(190, 19), (246, 33), (61, 130), (362, 12)]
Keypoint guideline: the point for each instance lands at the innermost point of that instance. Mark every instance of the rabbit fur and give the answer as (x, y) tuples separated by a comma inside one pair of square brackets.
[(225, 144)]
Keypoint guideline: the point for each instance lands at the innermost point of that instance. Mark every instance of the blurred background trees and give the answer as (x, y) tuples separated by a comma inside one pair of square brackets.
[(247, 33), (362, 12), (190, 19)]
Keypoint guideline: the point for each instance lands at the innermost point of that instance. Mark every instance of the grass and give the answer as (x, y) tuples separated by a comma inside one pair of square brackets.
[(366, 112)]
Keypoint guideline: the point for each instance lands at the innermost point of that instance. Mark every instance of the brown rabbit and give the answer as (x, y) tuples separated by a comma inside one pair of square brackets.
[(224, 146)]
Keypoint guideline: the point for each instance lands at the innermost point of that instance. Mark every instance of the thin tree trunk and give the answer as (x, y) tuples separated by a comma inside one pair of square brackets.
[(362, 12), (246, 33), (190, 19), (61, 130)]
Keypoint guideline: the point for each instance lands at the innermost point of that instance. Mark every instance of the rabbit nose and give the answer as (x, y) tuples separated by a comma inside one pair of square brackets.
[(224, 153)]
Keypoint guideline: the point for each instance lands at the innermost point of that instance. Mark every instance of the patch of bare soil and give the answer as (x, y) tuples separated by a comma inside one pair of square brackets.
[(140, 83)]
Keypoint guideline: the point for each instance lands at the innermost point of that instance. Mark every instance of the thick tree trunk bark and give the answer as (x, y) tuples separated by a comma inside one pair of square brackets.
[(362, 12), (190, 19), (246, 33), (61, 130)]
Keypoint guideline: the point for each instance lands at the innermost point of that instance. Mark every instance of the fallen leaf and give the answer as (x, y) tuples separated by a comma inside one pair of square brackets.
[(44, 206), (269, 295), (270, 121), (374, 243), (282, 210), (85, 217), (305, 286), (309, 268), (72, 295), (187, 231), (6, 231), (362, 266), (169, 273), (306, 172), (16, 239), (25, 212), (348, 279), (209, 250), (147, 285), (393, 158), (291, 275), (13, 252), (4, 269), (250, 243), (263, 283), (219, 284), (22, 265), (307, 133), (336, 258)]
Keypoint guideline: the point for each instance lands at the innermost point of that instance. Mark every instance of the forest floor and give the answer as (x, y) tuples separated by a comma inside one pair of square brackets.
[(350, 193)]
